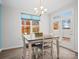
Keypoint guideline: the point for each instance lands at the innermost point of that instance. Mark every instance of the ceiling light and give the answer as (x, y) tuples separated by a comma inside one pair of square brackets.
[(41, 10)]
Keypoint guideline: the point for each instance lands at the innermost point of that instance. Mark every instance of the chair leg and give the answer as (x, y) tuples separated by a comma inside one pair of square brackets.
[(35, 53), (33, 56), (57, 49), (52, 49)]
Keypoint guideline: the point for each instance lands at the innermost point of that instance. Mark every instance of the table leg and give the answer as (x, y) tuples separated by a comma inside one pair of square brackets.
[(57, 42), (52, 50), (24, 50), (43, 50), (30, 51)]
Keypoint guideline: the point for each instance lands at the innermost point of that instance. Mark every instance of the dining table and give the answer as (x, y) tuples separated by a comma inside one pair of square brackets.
[(39, 39)]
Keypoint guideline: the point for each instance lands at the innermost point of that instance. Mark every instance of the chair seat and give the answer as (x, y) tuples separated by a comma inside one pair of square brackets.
[(37, 45)]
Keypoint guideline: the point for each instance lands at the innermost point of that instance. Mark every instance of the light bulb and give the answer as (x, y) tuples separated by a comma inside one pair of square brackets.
[(35, 8), (25, 33), (45, 10), (41, 7), (42, 12)]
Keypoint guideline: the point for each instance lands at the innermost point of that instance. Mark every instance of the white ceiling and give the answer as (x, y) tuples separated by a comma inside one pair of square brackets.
[(51, 5)]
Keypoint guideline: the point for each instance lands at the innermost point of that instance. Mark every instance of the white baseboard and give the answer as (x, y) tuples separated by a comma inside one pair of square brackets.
[(0, 50), (12, 47), (67, 48)]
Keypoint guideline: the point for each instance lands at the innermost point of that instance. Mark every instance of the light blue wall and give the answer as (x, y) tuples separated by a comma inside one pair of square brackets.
[(0, 26)]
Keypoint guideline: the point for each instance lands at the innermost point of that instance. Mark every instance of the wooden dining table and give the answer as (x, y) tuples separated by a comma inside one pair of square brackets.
[(39, 39)]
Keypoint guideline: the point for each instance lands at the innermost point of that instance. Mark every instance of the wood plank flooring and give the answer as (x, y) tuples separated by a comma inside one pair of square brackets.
[(18, 53)]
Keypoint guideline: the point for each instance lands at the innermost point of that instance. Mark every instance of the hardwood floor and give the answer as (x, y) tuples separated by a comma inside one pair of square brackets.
[(17, 54)]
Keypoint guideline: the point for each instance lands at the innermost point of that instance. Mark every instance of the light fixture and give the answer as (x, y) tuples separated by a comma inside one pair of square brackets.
[(41, 10)]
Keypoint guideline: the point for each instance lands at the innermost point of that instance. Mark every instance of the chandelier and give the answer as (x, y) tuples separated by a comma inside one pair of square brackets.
[(41, 10)]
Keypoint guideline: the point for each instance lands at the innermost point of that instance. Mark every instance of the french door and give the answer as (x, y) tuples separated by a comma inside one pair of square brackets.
[(63, 26)]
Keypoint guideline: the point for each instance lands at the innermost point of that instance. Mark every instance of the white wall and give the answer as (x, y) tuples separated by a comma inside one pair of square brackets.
[(75, 19), (44, 24), (0, 1), (76, 25), (11, 27), (0, 26)]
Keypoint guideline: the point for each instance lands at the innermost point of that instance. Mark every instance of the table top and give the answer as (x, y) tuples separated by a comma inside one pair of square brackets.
[(30, 39), (40, 39)]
